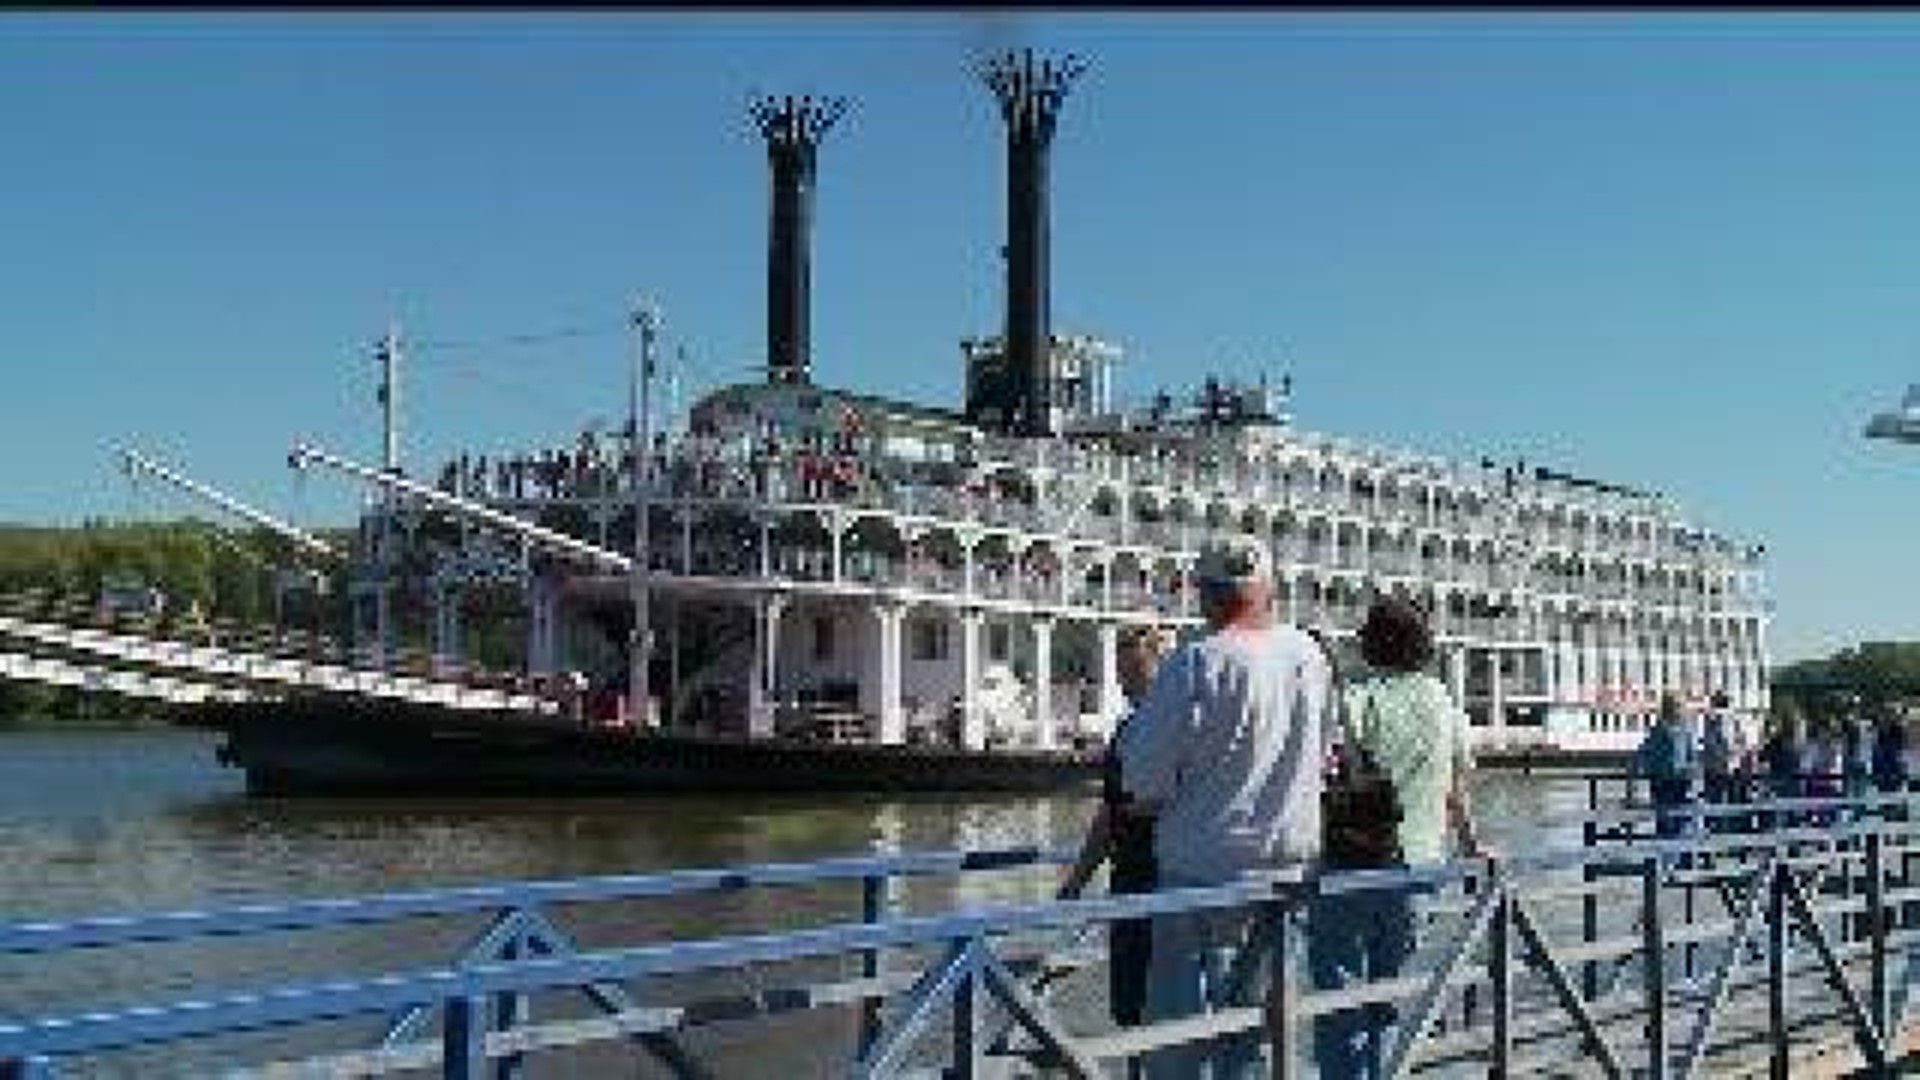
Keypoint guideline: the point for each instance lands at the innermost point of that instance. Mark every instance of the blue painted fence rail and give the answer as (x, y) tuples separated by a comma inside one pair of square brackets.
[(993, 999)]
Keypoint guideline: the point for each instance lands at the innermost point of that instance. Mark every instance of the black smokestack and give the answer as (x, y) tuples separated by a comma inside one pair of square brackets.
[(1030, 95), (792, 128)]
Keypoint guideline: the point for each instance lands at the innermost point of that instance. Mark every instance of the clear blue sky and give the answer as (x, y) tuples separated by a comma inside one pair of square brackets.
[(1674, 251)]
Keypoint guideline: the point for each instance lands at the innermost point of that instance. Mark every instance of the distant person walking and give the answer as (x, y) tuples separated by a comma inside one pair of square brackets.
[(1404, 723), (1226, 750)]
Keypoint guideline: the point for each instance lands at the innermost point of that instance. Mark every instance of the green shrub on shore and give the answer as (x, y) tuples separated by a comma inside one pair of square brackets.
[(227, 573), (198, 566), (1871, 676)]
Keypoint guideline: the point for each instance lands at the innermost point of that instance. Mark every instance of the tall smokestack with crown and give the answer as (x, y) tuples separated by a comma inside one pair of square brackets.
[(1030, 94), (792, 128)]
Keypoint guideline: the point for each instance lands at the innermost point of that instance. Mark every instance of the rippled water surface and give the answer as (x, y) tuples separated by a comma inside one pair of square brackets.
[(96, 822)]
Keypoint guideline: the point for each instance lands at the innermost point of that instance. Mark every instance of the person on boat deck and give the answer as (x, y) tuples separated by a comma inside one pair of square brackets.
[(1121, 834), (1407, 723), (1665, 759), (1226, 751)]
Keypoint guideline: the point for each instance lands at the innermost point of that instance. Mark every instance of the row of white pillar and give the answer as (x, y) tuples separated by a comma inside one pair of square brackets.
[(374, 604), (1573, 671), (840, 525), (1740, 673), (882, 690), (1576, 675)]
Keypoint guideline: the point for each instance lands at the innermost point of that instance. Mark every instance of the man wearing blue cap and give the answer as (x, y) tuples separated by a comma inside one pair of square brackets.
[(1226, 750)]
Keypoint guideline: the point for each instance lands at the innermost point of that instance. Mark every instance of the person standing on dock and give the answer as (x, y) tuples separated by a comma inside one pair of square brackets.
[(1721, 752), (1827, 767), (1786, 755), (1891, 777), (1226, 750), (1889, 753), (1404, 721), (1122, 834), (1666, 760), (1857, 764)]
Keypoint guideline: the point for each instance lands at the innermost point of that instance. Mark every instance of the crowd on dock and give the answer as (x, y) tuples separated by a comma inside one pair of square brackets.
[(1249, 749), (1695, 762)]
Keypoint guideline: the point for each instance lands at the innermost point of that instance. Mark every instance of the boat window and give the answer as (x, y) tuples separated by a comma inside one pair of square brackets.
[(929, 639), (906, 448), (823, 637)]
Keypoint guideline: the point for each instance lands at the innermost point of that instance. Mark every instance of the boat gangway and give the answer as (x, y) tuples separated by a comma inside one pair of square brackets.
[(53, 645), (101, 679), (1779, 941)]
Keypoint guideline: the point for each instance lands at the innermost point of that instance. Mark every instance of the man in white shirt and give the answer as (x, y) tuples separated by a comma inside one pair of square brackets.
[(1227, 752)]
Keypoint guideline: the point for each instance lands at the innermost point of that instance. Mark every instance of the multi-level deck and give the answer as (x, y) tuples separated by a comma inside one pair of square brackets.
[(900, 557)]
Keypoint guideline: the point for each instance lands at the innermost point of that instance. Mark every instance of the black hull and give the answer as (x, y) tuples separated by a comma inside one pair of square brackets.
[(1548, 759), (324, 745)]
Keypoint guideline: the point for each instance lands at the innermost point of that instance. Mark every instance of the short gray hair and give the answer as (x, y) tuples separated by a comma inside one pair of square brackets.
[(1232, 562)]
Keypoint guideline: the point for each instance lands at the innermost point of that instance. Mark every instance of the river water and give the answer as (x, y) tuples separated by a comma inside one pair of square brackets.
[(96, 822)]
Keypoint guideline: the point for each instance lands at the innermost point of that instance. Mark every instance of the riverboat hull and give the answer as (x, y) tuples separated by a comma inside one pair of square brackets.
[(322, 745)]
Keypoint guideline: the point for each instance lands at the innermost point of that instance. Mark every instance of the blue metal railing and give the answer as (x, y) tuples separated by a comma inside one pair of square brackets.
[(969, 972), (520, 932)]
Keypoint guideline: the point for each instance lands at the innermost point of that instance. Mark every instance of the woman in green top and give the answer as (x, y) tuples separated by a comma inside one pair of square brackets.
[(1403, 717)]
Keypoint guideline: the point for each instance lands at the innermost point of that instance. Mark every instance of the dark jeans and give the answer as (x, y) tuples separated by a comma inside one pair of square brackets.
[(1787, 787), (1190, 971), (1356, 938), (1673, 807), (1130, 941), (1129, 957), (1725, 790)]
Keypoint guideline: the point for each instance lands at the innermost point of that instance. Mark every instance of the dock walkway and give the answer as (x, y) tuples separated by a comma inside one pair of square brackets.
[(1782, 944)]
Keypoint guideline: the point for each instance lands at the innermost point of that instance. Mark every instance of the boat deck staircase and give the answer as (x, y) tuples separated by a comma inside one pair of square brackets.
[(45, 640)]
